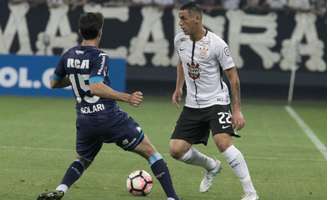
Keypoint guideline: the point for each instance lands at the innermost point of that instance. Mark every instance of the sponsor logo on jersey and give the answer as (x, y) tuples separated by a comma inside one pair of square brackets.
[(77, 63)]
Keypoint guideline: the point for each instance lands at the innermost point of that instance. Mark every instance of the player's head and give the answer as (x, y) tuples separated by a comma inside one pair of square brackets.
[(190, 15), (90, 25)]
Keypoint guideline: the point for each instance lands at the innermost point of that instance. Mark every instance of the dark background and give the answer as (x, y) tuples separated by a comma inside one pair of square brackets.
[(155, 80)]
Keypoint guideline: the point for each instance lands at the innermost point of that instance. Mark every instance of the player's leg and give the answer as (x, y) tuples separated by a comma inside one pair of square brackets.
[(237, 162), (191, 129), (73, 173), (222, 130), (158, 167), (87, 147), (185, 152), (133, 139)]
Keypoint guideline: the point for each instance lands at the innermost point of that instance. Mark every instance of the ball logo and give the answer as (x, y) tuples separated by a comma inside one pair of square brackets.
[(193, 70)]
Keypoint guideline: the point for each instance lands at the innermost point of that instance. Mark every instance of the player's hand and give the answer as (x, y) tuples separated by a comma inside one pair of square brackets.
[(136, 98), (176, 97), (238, 120)]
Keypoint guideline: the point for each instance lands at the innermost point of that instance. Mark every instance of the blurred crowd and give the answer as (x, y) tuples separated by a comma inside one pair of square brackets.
[(317, 6)]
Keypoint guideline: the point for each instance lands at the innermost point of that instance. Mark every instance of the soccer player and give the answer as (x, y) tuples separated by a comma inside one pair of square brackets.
[(99, 119), (203, 57)]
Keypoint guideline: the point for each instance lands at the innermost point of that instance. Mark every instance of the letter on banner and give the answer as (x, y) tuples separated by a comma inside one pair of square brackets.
[(293, 48), (151, 26), (120, 13), (58, 21), (259, 42), (16, 24)]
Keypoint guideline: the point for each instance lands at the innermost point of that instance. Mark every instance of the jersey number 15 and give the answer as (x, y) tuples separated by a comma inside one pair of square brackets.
[(81, 88)]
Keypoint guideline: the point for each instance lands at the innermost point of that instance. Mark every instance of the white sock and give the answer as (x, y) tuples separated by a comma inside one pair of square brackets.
[(195, 157), (238, 164), (62, 187)]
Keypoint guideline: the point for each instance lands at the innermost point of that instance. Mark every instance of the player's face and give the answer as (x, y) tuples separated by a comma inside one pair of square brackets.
[(187, 21)]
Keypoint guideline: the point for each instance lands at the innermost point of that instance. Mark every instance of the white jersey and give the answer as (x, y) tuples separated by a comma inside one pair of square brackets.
[(203, 63)]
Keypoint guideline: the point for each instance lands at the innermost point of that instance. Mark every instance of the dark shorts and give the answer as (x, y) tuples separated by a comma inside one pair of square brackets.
[(194, 124), (93, 131)]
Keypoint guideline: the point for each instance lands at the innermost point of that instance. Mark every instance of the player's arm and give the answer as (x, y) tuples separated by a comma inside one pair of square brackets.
[(58, 82), (180, 77), (238, 120), (60, 79), (176, 97), (102, 90), (99, 88)]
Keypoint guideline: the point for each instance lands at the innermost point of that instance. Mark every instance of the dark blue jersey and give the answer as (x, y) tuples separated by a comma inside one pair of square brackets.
[(84, 65), (99, 120)]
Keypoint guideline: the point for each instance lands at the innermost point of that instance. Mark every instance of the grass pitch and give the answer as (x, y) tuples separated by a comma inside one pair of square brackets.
[(37, 144)]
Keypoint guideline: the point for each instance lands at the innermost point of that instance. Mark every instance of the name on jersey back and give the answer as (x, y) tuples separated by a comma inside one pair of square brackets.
[(92, 109)]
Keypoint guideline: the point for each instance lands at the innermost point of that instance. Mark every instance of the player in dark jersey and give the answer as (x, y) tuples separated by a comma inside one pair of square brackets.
[(99, 119)]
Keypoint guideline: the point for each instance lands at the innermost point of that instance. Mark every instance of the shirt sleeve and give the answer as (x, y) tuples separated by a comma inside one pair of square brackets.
[(177, 42), (60, 71), (99, 68), (224, 56)]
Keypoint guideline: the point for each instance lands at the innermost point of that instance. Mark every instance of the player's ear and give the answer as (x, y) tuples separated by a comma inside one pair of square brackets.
[(100, 34), (198, 18), (80, 33)]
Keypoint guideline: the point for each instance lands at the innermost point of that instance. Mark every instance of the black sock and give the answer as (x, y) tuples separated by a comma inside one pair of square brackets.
[(73, 173), (162, 174)]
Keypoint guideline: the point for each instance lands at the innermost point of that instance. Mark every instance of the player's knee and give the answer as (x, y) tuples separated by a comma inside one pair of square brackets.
[(222, 141), (85, 163), (149, 150), (176, 153), (223, 146), (146, 149)]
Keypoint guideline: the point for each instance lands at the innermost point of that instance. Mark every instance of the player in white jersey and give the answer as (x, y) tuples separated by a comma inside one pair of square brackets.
[(203, 58)]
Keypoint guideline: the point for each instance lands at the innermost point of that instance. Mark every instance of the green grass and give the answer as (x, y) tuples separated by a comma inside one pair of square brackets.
[(37, 145), (315, 115)]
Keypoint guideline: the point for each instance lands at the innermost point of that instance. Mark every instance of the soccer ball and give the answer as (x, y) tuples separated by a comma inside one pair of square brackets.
[(139, 183)]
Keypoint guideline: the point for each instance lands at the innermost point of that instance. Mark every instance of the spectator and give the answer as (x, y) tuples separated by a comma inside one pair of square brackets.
[(164, 2), (231, 4), (276, 4), (256, 5), (55, 3), (16, 1), (76, 3), (253, 3), (34, 3), (142, 1), (299, 4), (319, 6), (209, 5)]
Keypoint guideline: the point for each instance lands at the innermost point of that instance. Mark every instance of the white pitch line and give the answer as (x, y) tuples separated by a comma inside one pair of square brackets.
[(308, 131)]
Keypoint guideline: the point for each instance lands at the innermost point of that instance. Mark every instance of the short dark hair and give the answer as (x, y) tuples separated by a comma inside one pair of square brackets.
[(192, 6), (90, 24)]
